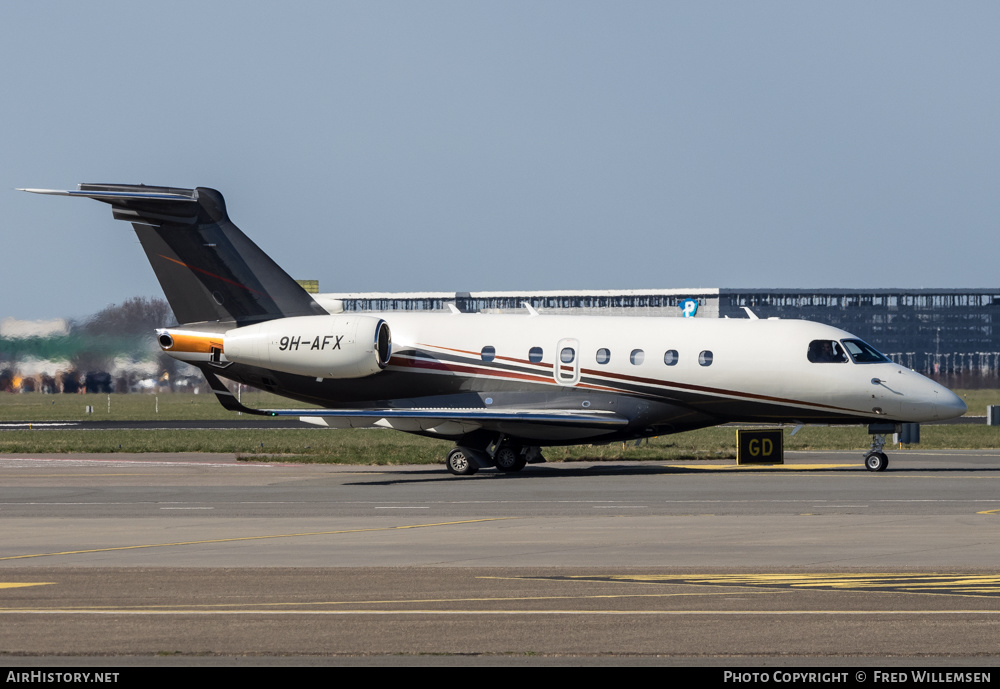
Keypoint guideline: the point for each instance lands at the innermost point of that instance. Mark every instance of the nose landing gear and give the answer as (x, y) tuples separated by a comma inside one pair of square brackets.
[(875, 459)]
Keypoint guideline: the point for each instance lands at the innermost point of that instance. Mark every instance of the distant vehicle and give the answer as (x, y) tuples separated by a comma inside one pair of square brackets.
[(501, 386)]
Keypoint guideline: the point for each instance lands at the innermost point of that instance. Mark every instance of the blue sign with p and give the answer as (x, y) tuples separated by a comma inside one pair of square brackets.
[(689, 307)]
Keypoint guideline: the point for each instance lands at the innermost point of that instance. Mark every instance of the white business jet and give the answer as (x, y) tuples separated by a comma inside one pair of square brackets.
[(500, 386)]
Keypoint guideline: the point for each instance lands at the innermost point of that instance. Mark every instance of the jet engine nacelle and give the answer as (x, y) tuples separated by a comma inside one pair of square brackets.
[(317, 346)]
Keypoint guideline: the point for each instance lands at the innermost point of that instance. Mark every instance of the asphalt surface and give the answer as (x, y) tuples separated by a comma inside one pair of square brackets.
[(199, 559)]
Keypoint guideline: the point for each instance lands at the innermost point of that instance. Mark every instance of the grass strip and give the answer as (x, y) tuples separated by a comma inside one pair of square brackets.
[(379, 446)]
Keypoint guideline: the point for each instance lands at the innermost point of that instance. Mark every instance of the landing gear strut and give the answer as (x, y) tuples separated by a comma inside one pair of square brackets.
[(875, 459)]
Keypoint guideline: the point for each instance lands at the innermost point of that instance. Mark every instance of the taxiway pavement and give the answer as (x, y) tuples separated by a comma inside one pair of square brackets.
[(817, 561)]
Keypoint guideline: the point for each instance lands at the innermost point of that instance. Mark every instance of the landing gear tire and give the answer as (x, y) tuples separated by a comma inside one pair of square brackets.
[(460, 463), (509, 459), (876, 461)]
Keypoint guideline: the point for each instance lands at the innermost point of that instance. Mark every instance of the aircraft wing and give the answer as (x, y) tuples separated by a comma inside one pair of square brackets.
[(526, 423), (570, 423)]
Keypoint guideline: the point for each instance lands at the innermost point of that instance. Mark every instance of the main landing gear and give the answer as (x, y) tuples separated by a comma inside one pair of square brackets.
[(508, 457), (875, 459), (462, 462)]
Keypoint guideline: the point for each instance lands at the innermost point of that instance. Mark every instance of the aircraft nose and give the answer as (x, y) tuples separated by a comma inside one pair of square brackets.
[(945, 404), (952, 405), (929, 401)]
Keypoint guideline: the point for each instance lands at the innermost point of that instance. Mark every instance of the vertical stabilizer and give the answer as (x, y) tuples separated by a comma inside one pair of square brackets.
[(208, 269)]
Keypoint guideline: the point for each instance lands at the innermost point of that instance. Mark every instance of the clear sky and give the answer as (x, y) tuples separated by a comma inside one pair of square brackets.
[(417, 146)]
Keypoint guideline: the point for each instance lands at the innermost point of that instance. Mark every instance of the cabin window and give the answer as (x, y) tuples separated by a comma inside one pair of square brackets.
[(705, 358), (826, 352), (603, 355), (535, 355), (489, 353), (636, 357), (567, 355), (864, 353), (670, 357)]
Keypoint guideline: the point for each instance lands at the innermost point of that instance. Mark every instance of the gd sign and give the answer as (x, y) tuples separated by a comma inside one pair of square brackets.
[(760, 446)]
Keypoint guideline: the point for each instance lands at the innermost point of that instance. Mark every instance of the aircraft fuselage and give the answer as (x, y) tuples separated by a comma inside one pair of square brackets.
[(661, 374)]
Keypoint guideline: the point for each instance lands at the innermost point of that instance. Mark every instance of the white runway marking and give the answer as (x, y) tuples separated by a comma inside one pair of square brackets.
[(42, 424), (16, 462)]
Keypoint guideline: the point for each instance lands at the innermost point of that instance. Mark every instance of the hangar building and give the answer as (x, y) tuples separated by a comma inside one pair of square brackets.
[(944, 333)]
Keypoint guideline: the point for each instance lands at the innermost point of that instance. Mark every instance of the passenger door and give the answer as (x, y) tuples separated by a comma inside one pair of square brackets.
[(567, 364)]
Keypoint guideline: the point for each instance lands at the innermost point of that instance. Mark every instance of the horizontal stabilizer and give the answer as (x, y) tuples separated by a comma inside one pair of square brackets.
[(151, 205), (110, 192)]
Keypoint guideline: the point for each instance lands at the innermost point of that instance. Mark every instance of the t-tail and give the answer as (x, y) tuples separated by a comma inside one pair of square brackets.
[(208, 269)]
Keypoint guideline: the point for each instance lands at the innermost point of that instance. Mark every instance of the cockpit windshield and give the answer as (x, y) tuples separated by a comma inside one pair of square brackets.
[(863, 353), (826, 352)]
